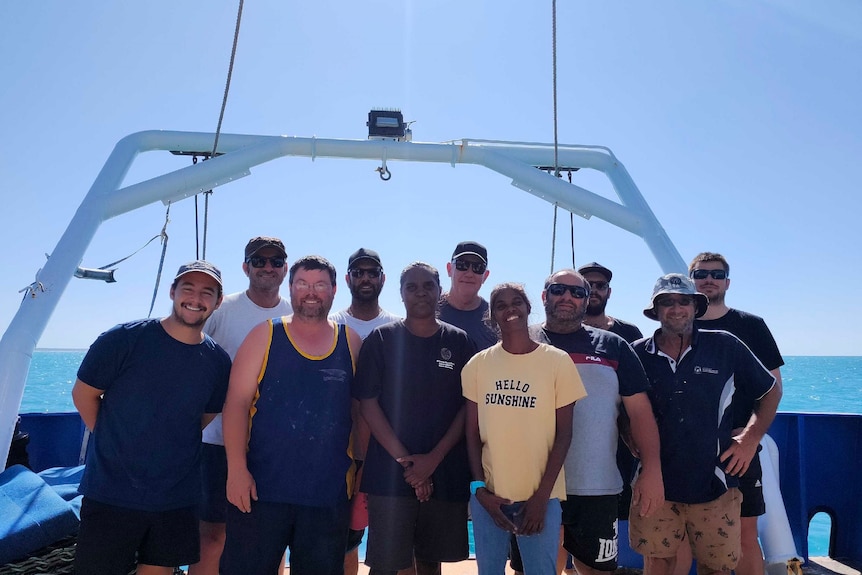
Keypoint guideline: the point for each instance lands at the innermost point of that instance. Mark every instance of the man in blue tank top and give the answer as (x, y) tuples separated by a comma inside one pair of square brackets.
[(146, 389), (287, 429)]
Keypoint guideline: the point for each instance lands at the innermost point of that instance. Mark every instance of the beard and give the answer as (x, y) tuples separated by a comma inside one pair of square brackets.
[(566, 315), (366, 295), (311, 311), (199, 323), (598, 308)]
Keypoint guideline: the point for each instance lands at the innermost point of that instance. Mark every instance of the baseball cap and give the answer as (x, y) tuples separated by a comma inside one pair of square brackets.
[(471, 248), (596, 267), (199, 266), (363, 254), (679, 284), (254, 245)]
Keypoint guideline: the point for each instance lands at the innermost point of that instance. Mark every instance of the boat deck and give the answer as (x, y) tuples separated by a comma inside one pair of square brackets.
[(815, 566)]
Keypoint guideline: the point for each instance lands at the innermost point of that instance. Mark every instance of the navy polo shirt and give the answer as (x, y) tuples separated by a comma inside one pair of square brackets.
[(692, 401)]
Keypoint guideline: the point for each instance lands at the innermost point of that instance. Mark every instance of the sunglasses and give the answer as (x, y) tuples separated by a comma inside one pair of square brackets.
[(260, 261), (577, 292), (703, 274), (672, 301), (372, 273), (600, 286), (464, 265)]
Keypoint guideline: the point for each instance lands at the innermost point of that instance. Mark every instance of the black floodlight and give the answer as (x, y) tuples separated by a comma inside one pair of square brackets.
[(387, 125)]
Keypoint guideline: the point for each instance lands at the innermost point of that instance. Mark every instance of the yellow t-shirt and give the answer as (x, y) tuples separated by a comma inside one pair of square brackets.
[(517, 397)]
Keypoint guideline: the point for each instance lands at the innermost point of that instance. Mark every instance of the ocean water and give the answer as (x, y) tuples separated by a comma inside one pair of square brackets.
[(813, 384)]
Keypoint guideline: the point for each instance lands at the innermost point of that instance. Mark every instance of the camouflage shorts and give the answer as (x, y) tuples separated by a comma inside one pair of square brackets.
[(712, 529)]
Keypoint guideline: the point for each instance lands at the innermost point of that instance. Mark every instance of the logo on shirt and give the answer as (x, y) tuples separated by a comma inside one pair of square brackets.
[(698, 369), (446, 353), (594, 358), (450, 365)]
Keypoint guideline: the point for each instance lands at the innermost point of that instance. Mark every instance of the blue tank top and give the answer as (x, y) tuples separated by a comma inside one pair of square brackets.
[(300, 422)]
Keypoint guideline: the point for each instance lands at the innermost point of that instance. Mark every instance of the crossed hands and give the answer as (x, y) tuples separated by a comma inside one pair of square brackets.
[(417, 473), (528, 520)]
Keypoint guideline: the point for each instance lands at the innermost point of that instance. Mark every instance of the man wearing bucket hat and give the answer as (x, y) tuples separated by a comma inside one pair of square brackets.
[(694, 375)]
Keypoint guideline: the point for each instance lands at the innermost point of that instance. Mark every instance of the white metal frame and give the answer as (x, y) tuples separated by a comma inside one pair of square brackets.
[(106, 200)]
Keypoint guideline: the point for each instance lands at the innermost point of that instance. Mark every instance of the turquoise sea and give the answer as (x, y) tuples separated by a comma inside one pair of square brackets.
[(813, 384)]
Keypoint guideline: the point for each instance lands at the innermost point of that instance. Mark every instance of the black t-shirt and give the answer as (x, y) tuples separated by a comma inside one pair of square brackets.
[(627, 331), (417, 382), (754, 333)]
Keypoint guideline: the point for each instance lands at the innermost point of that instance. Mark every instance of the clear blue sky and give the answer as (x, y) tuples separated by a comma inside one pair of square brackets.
[(739, 121)]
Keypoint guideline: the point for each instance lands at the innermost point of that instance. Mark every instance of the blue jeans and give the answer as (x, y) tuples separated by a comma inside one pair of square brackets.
[(539, 551)]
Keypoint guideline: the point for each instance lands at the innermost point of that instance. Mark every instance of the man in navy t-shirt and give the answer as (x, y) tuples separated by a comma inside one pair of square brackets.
[(146, 389)]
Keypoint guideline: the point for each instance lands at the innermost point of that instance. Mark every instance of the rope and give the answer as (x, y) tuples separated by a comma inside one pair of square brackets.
[(208, 193), (554, 240), (164, 236), (556, 145), (572, 228), (106, 266), (554, 51)]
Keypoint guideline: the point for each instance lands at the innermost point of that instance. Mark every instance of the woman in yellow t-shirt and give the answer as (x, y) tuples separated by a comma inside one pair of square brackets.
[(520, 395)]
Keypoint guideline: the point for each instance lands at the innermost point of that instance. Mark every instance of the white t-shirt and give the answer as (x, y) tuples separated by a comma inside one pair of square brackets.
[(228, 326), (361, 326)]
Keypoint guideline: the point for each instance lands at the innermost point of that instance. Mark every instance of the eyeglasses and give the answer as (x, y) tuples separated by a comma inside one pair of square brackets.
[(683, 301), (260, 261), (703, 274), (577, 292), (464, 265), (599, 286), (319, 287), (372, 273)]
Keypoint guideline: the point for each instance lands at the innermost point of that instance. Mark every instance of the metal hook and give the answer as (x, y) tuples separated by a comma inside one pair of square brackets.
[(384, 172)]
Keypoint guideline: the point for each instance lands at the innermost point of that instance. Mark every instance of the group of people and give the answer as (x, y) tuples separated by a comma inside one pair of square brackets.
[(318, 424)]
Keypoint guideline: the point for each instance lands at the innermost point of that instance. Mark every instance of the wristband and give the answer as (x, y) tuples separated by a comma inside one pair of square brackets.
[(476, 486)]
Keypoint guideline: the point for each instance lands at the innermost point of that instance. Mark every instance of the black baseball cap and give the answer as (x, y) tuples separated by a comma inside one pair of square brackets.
[(596, 267), (254, 245), (363, 254), (471, 248)]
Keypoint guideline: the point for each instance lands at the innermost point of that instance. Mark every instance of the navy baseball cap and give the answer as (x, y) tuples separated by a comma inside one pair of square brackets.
[(201, 266)]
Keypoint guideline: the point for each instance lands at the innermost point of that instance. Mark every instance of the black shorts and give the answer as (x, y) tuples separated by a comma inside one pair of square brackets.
[(590, 530), (110, 536), (751, 489), (400, 528), (214, 479), (354, 539)]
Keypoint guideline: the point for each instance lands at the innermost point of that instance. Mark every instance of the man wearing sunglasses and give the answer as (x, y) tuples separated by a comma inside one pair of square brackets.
[(612, 375), (694, 374), (462, 306), (711, 274), (265, 265), (365, 278), (599, 278)]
